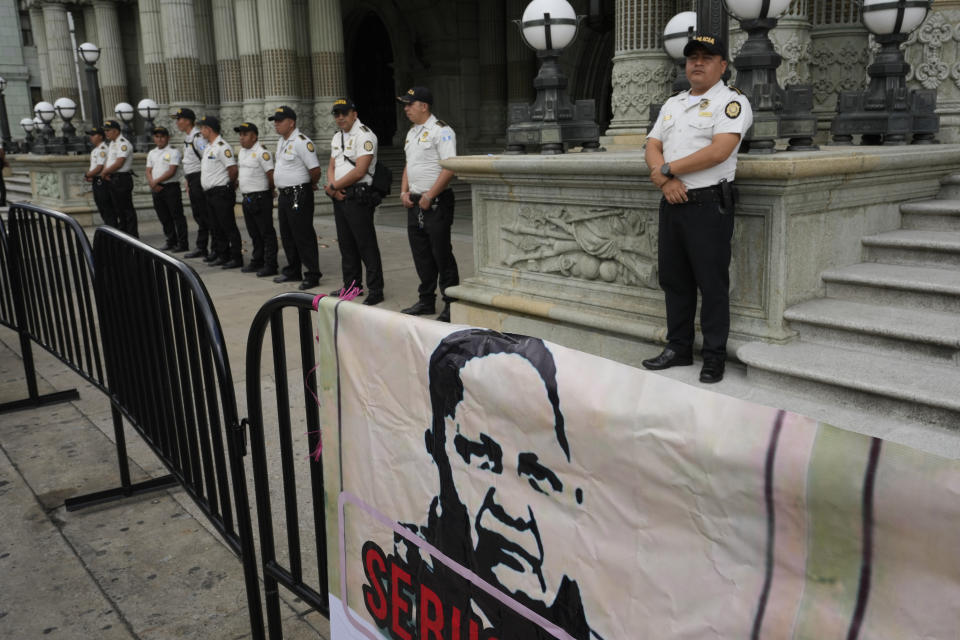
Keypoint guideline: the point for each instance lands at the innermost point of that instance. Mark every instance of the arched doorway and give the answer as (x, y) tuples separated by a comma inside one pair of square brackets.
[(370, 79)]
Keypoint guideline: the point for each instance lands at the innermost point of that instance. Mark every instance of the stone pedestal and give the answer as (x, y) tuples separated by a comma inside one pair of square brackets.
[(566, 248)]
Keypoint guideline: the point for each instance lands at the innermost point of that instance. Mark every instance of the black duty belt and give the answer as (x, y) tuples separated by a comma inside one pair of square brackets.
[(705, 194), (295, 189), (168, 184), (223, 187), (257, 194)]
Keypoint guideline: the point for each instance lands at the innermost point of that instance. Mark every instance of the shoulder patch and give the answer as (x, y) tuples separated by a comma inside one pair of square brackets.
[(123, 147), (227, 153), (442, 123), (266, 155), (368, 146), (733, 109), (103, 154), (309, 146), (733, 88)]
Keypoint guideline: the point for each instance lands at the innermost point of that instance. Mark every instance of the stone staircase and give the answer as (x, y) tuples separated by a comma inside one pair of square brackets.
[(885, 341)]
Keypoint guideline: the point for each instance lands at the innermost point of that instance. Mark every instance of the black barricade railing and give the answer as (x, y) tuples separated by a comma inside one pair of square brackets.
[(274, 573), (51, 246), (169, 372)]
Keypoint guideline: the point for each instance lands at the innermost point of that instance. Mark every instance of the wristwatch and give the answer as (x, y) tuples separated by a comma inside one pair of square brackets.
[(665, 170)]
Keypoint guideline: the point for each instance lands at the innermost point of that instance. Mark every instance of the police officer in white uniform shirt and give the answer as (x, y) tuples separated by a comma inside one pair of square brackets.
[(692, 156), (296, 173), (218, 176), (118, 174), (163, 165), (193, 146), (256, 197), (426, 194), (353, 156), (98, 159)]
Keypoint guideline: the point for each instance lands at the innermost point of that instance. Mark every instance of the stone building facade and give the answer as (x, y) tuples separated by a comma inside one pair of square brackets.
[(241, 58)]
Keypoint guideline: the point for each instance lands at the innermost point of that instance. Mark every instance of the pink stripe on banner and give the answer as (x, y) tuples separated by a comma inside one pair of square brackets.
[(413, 538)]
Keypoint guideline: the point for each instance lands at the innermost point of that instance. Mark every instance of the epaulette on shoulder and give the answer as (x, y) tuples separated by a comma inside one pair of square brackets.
[(364, 128), (442, 123), (733, 88), (303, 137), (220, 143)]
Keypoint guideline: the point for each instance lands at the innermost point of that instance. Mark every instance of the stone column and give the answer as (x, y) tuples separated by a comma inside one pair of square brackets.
[(304, 76), (251, 69), (933, 51), (40, 39), (113, 75), (63, 78), (151, 34), (838, 54), (228, 64), (89, 25), (492, 26), (642, 71), (521, 60), (326, 50), (181, 54), (203, 11), (277, 53)]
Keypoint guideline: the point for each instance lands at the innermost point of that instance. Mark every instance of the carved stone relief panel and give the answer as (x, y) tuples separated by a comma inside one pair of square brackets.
[(615, 245), (48, 186), (748, 263)]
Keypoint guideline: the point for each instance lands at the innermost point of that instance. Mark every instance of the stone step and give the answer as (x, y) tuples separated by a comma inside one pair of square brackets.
[(928, 336), (950, 187), (922, 248), (873, 383), (896, 285), (939, 215)]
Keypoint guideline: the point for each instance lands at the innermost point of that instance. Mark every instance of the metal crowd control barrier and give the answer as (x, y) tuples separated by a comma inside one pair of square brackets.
[(170, 375), (274, 573), (42, 248)]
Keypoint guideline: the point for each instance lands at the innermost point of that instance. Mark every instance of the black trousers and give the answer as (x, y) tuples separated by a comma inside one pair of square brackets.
[(121, 197), (101, 198), (358, 243), (297, 233), (198, 205), (430, 244), (258, 216), (221, 201), (694, 253), (169, 207)]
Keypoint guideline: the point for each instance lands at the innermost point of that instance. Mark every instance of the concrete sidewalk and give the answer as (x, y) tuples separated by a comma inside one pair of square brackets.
[(149, 567)]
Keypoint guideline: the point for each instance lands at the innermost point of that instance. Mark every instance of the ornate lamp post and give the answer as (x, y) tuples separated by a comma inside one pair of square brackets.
[(777, 113), (90, 53), (5, 133), (28, 125), (124, 112), (44, 112), (148, 110), (887, 112), (67, 109), (680, 28), (553, 121)]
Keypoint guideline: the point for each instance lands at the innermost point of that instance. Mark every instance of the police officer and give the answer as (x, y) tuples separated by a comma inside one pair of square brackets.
[(118, 174), (426, 194), (218, 176), (163, 162), (353, 155), (256, 193), (98, 157), (295, 175), (692, 156), (193, 146)]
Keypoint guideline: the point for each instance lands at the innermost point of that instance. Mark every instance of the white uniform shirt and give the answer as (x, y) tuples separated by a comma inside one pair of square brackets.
[(359, 141), (253, 165), (295, 157), (120, 148), (191, 160), (426, 145), (684, 127), (160, 160), (213, 169), (98, 156)]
